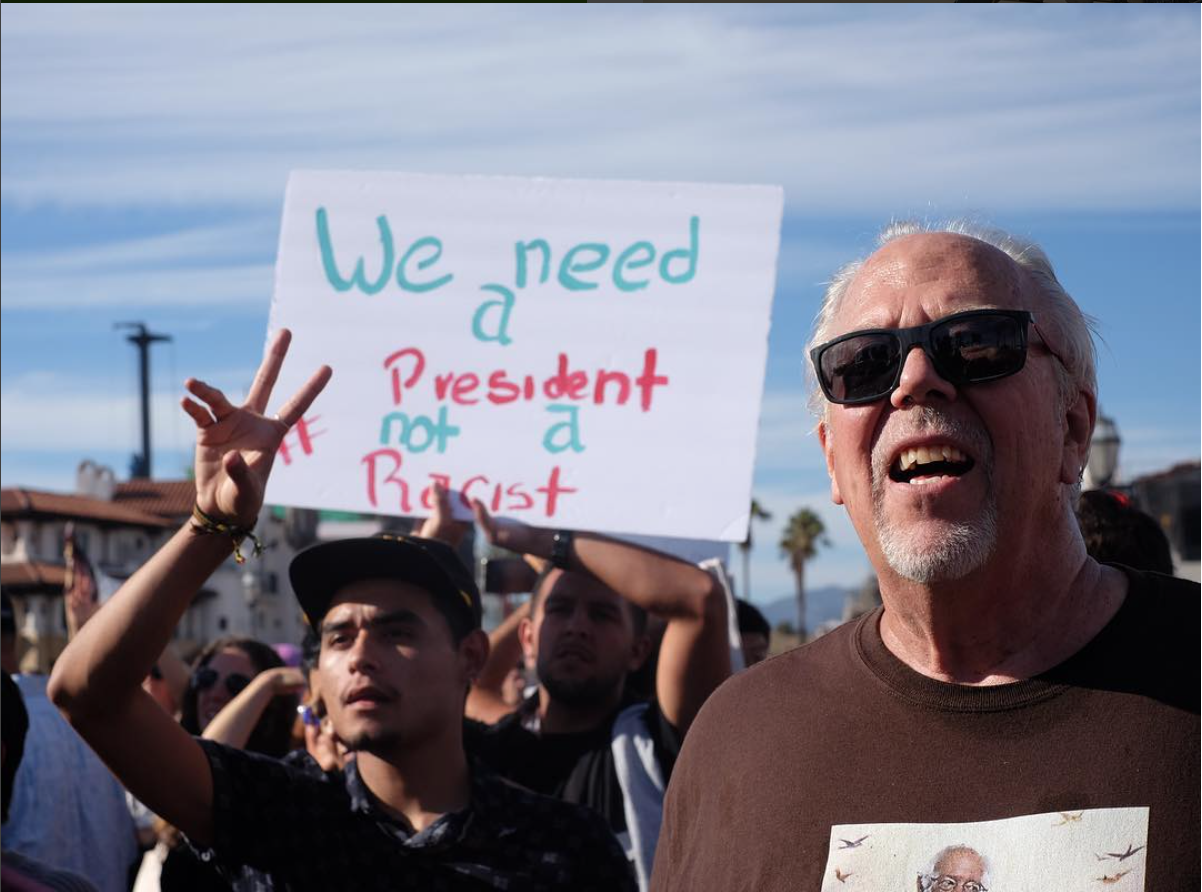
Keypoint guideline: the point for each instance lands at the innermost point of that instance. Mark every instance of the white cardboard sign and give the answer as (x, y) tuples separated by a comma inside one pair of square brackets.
[(576, 354)]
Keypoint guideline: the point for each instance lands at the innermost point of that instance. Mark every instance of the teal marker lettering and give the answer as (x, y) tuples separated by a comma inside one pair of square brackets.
[(629, 259), (501, 309), (334, 277), (419, 433), (689, 255), (570, 265), (564, 435), (522, 250), (405, 282)]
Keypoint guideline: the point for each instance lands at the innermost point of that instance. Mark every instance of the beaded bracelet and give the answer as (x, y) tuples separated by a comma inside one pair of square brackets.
[(202, 523)]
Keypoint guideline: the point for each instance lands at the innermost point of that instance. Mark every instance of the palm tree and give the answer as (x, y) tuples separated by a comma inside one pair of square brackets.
[(758, 512), (799, 542)]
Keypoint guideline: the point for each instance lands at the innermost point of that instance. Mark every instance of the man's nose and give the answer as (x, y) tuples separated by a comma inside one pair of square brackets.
[(920, 383), (362, 652), (579, 621)]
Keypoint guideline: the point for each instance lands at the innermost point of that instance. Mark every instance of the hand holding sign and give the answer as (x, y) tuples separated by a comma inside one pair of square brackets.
[(441, 524), (510, 534), (236, 445)]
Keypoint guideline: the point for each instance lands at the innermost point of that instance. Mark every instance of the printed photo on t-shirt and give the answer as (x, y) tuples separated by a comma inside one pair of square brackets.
[(1103, 849)]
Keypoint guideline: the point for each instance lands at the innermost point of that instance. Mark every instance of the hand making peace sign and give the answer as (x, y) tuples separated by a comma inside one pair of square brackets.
[(236, 445)]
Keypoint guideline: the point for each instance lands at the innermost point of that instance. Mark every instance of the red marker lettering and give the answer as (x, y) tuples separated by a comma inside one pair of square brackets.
[(465, 493), (370, 460), (564, 383), (464, 387), (517, 491), (553, 491), (603, 378), (419, 365), (501, 390), (649, 379)]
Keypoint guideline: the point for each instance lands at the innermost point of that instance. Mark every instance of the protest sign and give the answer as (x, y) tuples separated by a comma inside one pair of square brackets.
[(575, 354)]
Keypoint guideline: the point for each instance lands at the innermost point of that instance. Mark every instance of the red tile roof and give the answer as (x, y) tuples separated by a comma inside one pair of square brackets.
[(28, 574), (167, 498), (18, 502)]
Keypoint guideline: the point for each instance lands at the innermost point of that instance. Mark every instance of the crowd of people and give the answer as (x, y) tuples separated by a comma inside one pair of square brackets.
[(612, 733)]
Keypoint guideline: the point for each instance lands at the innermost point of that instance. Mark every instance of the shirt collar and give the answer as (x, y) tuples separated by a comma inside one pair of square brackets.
[(486, 798)]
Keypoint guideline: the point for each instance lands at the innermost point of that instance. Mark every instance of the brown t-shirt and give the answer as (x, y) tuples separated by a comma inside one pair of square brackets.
[(836, 766)]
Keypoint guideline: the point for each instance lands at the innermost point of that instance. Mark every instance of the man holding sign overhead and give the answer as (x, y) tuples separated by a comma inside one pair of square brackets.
[(583, 736)]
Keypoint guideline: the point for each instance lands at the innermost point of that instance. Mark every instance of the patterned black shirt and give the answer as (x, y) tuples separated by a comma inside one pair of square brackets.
[(310, 832)]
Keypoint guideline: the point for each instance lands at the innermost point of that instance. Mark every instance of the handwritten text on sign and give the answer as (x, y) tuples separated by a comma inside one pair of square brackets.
[(577, 354)]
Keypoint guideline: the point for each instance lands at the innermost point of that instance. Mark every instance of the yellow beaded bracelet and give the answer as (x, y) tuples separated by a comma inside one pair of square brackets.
[(202, 523)]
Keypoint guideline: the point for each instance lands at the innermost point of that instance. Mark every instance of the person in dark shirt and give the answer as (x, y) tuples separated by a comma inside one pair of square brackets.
[(754, 632), (398, 619), (581, 736), (1117, 532)]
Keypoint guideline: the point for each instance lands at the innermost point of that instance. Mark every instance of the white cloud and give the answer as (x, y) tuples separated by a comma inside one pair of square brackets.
[(49, 412), (148, 105)]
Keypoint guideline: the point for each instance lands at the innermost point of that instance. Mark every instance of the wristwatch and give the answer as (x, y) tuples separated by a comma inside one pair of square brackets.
[(561, 549)]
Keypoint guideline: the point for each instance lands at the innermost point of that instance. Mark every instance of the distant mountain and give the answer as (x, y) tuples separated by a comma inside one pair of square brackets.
[(822, 604)]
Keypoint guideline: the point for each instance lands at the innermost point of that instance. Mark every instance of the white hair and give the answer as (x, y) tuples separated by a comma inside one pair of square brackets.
[(986, 880), (1070, 330)]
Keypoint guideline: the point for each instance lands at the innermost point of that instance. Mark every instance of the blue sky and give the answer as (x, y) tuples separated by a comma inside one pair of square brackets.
[(145, 151)]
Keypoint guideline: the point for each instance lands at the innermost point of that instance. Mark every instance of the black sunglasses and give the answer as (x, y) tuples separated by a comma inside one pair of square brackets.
[(206, 676), (965, 348)]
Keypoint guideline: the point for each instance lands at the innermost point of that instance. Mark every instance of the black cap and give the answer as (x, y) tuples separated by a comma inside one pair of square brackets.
[(318, 572)]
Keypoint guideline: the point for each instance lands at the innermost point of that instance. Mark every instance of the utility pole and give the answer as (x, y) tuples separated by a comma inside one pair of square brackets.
[(139, 466)]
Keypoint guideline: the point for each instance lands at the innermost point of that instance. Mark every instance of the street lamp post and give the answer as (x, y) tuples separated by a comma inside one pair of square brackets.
[(1103, 453)]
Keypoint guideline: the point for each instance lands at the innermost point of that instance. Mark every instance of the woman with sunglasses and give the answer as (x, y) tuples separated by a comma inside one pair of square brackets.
[(224, 669), (221, 672)]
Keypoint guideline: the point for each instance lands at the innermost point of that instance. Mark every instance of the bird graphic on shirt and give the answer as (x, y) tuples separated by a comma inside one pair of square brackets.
[(841, 876), (853, 843), (1068, 818), (1113, 879), (1123, 856)]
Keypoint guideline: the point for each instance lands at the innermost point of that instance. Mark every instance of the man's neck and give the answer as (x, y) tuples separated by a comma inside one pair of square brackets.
[(1000, 624), (557, 717), (420, 785)]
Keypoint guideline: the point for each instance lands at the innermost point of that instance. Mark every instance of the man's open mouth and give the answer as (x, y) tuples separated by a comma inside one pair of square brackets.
[(924, 462)]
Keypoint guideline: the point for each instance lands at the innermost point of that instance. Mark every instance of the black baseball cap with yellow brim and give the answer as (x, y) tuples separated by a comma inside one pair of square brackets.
[(320, 571)]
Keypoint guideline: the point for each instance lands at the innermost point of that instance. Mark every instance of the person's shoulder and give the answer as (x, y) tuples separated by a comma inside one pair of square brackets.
[(759, 695), (536, 810), (20, 867), (778, 676), (574, 831), (237, 771), (1161, 594)]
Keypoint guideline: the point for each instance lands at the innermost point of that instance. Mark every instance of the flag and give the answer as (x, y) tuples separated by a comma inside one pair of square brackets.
[(80, 586)]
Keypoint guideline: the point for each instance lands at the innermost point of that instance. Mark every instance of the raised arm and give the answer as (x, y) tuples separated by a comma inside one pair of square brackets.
[(485, 701), (236, 721), (694, 656), (96, 681)]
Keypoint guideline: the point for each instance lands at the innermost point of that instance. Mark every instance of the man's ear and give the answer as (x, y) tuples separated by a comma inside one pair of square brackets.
[(527, 640), (827, 440), (1078, 431), (473, 649), (639, 651)]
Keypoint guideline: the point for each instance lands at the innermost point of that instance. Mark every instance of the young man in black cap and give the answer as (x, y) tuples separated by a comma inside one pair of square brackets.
[(398, 619)]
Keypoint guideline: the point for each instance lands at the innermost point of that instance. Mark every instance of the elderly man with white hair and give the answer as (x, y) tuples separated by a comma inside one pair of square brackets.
[(1007, 673)]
